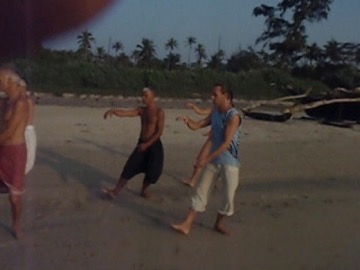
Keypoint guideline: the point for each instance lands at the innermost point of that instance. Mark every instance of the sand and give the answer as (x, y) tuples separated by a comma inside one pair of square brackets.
[(297, 206)]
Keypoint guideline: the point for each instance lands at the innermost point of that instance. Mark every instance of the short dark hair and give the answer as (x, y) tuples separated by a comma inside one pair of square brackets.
[(225, 90), (151, 89)]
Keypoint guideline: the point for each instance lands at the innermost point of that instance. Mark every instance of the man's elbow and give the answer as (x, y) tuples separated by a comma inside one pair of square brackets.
[(227, 145), (195, 126)]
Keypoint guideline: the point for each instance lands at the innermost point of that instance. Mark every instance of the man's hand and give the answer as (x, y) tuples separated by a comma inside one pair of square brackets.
[(108, 113), (143, 147), (190, 105), (185, 119)]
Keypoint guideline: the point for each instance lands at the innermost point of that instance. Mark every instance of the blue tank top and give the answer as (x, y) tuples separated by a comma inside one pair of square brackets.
[(219, 122)]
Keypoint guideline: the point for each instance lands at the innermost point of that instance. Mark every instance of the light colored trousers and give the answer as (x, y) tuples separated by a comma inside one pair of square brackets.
[(230, 177), (30, 140)]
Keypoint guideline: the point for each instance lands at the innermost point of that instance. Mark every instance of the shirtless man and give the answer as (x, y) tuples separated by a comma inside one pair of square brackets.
[(12, 144), (148, 155), (30, 133)]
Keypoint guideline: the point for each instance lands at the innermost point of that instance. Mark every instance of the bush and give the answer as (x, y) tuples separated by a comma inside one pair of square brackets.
[(115, 79)]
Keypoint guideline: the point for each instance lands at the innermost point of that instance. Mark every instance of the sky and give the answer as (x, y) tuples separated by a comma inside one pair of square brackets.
[(228, 24)]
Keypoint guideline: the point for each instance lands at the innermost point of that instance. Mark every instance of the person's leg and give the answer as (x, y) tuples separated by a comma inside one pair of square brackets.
[(230, 176), (220, 226), (194, 177), (131, 168), (114, 192), (199, 200), (154, 161), (144, 190), (205, 150), (186, 225), (16, 210)]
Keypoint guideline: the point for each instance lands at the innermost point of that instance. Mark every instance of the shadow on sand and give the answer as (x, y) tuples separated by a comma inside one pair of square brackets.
[(91, 178)]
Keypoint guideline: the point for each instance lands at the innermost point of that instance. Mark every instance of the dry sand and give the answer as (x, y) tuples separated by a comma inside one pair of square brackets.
[(297, 206)]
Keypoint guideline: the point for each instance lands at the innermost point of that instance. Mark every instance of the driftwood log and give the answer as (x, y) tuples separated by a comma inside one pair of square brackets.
[(337, 107), (277, 101), (303, 107)]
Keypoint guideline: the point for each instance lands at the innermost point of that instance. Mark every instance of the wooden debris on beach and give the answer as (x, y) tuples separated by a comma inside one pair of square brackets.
[(340, 107)]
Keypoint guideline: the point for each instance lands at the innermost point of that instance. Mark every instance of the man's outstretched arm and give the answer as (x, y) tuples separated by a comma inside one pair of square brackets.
[(195, 125), (122, 113), (198, 110)]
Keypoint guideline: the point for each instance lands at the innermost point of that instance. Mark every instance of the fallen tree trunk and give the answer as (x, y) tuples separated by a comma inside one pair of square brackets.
[(336, 106), (303, 107), (277, 101), (337, 114)]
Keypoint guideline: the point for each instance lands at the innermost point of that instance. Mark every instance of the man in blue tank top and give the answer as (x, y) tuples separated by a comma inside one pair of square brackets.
[(222, 162)]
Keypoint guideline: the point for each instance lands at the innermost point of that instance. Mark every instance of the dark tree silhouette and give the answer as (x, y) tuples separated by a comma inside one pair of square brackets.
[(285, 33), (145, 53), (85, 41), (189, 42)]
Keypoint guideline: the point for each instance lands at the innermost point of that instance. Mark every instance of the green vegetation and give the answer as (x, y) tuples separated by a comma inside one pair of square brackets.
[(285, 65), (114, 79)]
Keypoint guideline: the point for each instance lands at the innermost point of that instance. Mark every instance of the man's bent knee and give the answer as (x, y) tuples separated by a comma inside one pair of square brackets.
[(15, 198)]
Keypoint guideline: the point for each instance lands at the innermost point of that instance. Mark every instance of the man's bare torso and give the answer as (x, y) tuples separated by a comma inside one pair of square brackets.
[(16, 119), (149, 121)]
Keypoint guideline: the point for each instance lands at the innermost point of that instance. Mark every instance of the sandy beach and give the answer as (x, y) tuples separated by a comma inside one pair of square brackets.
[(297, 207)]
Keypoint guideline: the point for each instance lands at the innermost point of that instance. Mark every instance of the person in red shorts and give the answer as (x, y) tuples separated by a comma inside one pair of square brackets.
[(13, 153)]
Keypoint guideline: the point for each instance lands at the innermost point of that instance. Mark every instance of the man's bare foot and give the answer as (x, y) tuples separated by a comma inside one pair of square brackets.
[(109, 192), (222, 230), (188, 183), (181, 228), (145, 194), (17, 232)]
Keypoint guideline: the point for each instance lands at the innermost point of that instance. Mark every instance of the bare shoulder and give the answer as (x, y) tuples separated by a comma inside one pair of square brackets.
[(21, 102), (160, 112), (31, 99)]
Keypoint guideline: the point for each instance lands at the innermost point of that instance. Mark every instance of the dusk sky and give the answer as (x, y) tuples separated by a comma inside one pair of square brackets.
[(229, 21)]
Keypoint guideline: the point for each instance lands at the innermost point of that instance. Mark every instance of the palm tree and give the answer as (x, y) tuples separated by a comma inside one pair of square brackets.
[(171, 44), (216, 60), (145, 52), (201, 54), (85, 40), (118, 47), (172, 59), (100, 54), (135, 55), (189, 42), (333, 51)]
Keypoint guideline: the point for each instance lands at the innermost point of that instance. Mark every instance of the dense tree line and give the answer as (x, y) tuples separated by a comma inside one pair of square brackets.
[(285, 52)]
